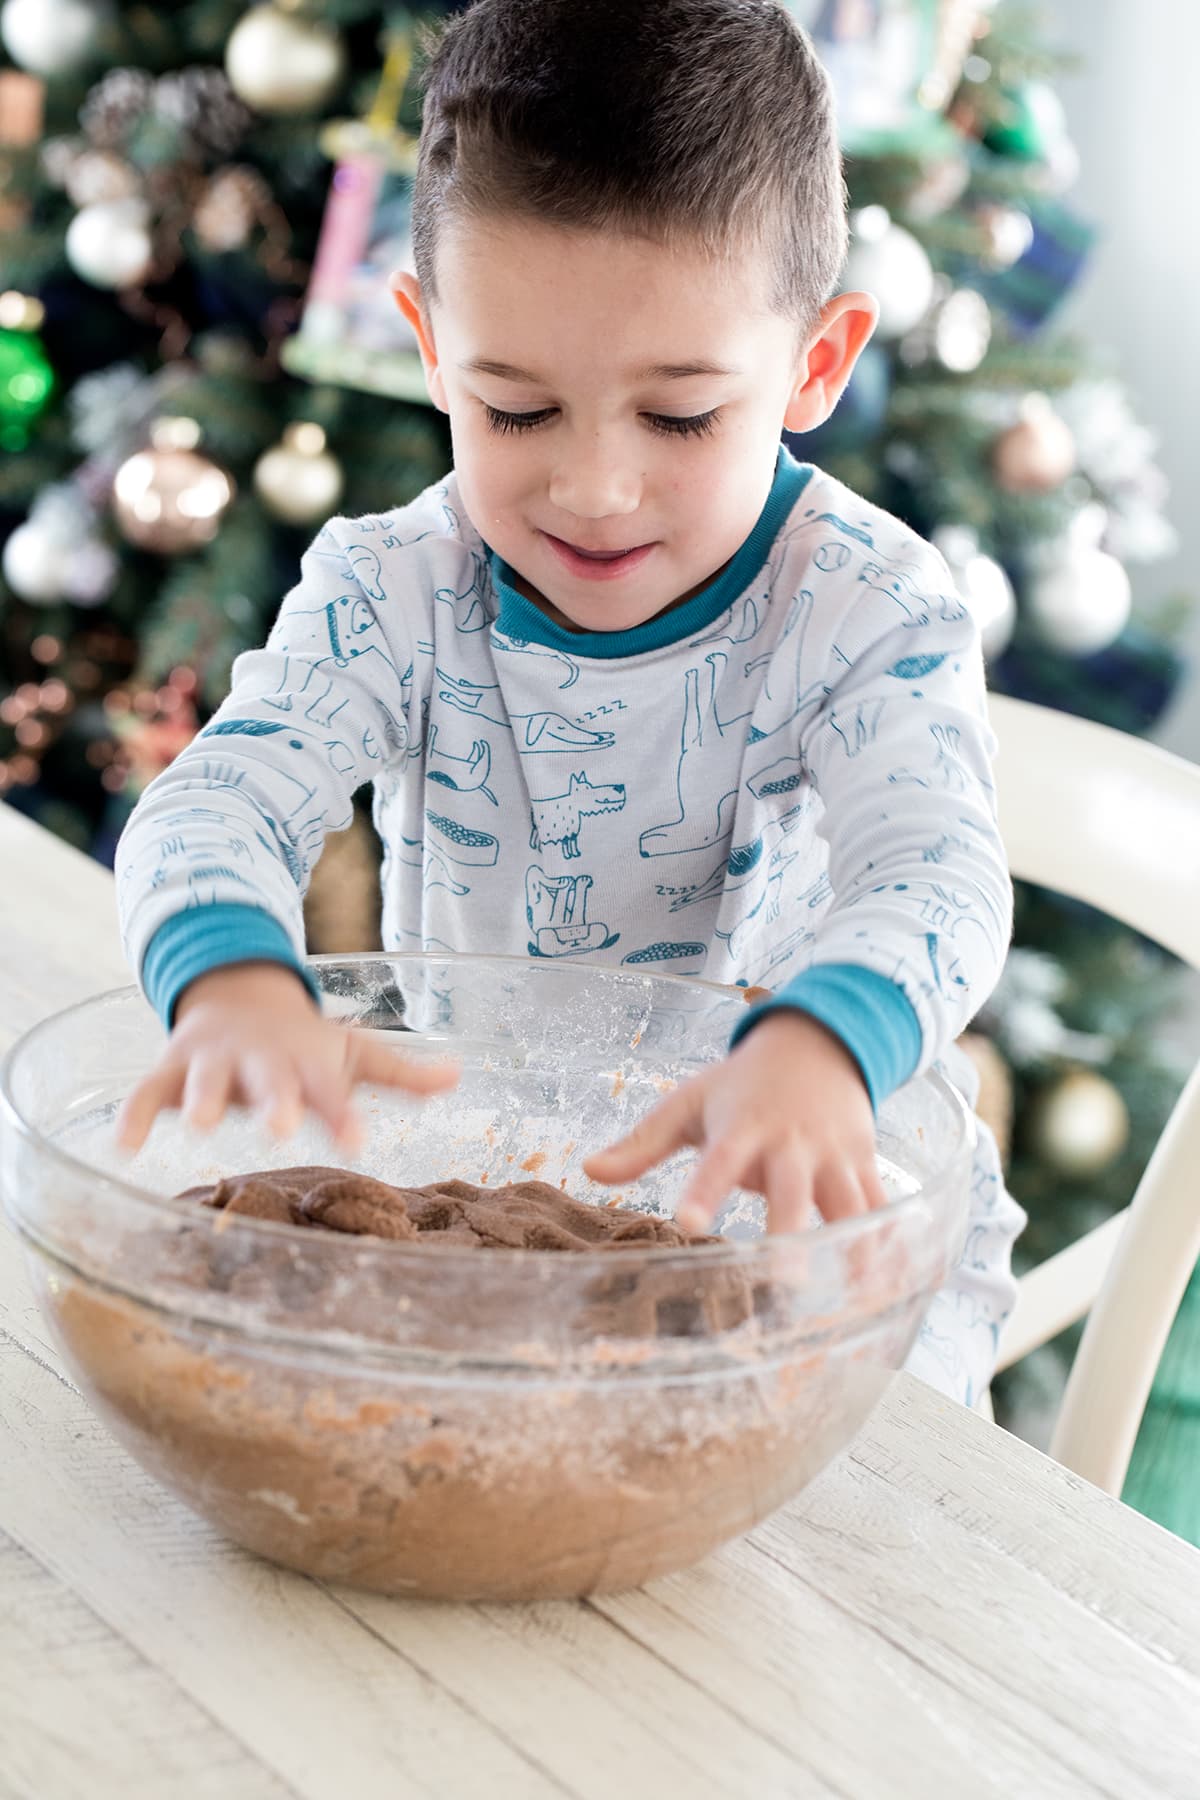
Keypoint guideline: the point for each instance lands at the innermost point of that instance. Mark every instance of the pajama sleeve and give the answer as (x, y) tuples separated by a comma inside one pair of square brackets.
[(899, 752), (214, 863)]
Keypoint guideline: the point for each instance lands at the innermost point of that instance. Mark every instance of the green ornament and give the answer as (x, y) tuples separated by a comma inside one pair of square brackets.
[(26, 384), (1032, 125)]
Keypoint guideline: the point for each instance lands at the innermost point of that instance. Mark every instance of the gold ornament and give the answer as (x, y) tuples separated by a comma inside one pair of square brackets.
[(283, 65), (1037, 453), (1080, 1124), (299, 480), (168, 498)]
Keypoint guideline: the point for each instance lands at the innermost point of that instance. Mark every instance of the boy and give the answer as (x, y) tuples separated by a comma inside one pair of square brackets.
[(630, 684)]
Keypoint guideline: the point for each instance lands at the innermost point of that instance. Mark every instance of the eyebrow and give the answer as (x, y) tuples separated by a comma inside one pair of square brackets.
[(484, 365)]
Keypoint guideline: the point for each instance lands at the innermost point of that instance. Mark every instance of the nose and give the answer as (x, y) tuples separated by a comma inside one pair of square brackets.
[(593, 480)]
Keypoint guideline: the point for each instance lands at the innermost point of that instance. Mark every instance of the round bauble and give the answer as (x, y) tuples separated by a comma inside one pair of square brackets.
[(50, 37), (1081, 604), (1079, 1124), (955, 332), (35, 565), (169, 498), (26, 384), (1033, 125), (1007, 232), (983, 585), (109, 244), (887, 261), (1037, 453), (283, 65), (299, 480)]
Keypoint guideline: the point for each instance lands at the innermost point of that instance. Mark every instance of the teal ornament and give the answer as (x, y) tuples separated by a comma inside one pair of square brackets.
[(1033, 125)]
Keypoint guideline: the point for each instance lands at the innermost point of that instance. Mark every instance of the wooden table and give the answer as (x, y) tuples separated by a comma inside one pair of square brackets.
[(944, 1614)]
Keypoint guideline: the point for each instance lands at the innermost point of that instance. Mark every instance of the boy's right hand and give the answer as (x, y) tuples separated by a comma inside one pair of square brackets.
[(252, 1034)]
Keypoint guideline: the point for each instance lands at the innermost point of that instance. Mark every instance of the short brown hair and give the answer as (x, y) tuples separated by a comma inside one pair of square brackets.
[(710, 120)]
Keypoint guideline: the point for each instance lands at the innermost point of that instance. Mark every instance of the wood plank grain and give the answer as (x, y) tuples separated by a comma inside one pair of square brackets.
[(324, 1702), (79, 1707), (58, 925), (603, 1714)]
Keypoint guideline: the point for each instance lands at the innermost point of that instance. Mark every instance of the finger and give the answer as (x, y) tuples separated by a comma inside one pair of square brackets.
[(789, 1189), (876, 1194), (667, 1127), (719, 1170), (328, 1094), (838, 1192), (376, 1062), (206, 1090), (160, 1089), (272, 1088)]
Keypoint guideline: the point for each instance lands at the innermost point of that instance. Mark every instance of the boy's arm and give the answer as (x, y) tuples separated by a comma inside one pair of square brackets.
[(216, 858), (900, 754)]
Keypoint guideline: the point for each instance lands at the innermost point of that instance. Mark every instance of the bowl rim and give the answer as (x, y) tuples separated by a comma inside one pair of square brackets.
[(832, 1233)]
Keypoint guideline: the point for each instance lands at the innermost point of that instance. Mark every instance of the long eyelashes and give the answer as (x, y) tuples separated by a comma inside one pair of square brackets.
[(700, 425), (508, 423)]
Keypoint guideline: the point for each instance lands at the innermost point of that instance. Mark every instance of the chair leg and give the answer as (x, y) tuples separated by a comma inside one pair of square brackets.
[(1129, 1324)]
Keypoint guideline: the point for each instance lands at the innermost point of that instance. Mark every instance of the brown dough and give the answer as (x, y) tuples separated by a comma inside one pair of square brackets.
[(407, 1467), (525, 1215)]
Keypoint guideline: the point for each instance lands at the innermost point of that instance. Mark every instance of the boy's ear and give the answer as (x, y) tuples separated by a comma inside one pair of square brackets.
[(841, 334), (406, 290)]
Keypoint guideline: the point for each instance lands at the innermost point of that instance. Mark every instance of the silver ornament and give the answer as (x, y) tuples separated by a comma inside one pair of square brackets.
[(887, 261), (982, 583), (109, 245), (955, 332), (1080, 604), (35, 564), (282, 65), (50, 37)]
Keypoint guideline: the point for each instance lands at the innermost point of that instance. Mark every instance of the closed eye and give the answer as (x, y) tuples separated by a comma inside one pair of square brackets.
[(698, 425), (510, 422)]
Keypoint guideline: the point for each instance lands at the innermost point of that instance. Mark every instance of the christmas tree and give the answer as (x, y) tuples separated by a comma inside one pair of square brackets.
[(199, 361)]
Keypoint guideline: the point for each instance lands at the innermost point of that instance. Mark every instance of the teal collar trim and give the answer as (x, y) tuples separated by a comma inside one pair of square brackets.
[(520, 618)]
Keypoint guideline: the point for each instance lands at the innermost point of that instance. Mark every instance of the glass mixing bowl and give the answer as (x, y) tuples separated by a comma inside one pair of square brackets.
[(451, 1421)]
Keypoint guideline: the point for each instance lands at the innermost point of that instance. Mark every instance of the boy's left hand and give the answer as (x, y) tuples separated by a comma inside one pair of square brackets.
[(786, 1115)]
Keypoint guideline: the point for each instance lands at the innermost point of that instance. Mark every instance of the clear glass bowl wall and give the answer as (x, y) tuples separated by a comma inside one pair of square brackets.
[(457, 1422)]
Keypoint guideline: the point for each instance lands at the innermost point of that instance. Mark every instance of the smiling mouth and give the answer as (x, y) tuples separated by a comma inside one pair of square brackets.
[(600, 556)]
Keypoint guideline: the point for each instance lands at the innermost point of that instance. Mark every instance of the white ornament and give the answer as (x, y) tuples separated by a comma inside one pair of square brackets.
[(55, 554), (1082, 603), (109, 243), (887, 261), (283, 65), (35, 565), (982, 583), (50, 37)]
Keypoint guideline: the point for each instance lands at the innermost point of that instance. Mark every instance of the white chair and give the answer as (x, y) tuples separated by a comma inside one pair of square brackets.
[(1111, 820)]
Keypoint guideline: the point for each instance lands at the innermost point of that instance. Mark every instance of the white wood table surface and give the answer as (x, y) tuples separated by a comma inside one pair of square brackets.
[(944, 1613)]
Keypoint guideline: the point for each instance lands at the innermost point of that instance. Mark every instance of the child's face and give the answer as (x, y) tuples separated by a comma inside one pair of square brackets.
[(616, 406)]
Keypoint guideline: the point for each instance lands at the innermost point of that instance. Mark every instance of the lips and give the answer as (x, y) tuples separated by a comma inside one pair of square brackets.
[(597, 564)]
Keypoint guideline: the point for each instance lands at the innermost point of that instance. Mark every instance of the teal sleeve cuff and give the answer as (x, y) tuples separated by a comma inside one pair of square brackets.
[(211, 937), (871, 1015)]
